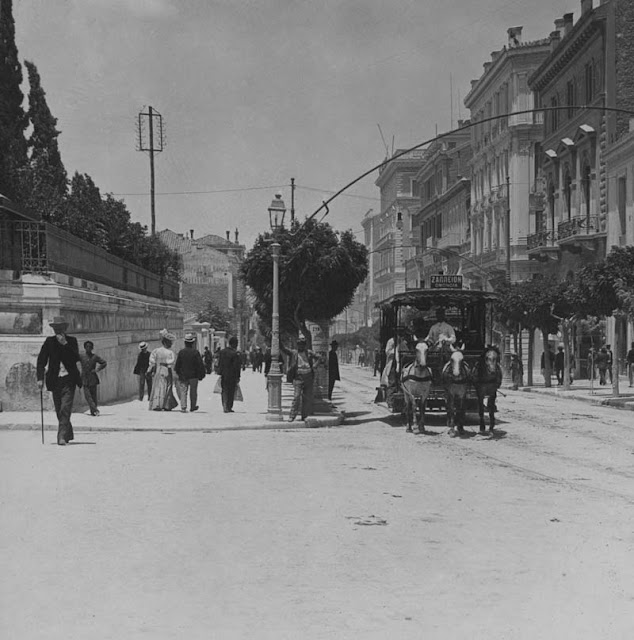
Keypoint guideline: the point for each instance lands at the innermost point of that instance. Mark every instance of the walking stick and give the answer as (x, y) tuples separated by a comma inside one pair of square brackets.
[(42, 413)]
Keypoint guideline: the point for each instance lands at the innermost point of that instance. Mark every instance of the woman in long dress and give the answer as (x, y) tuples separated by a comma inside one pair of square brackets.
[(162, 361)]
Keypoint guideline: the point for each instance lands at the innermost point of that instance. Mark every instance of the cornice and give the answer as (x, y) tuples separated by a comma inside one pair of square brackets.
[(587, 26), (512, 56)]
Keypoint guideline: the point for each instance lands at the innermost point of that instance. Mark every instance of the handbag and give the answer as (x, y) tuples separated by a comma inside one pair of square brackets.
[(218, 387), (238, 394)]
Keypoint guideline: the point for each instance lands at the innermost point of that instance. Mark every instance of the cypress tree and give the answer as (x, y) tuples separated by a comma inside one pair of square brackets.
[(13, 120), (46, 183)]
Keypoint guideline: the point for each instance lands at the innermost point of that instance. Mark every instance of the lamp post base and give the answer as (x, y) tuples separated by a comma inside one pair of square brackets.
[(275, 397)]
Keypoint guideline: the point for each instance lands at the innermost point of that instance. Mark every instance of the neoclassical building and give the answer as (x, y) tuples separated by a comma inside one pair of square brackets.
[(503, 164), (440, 226)]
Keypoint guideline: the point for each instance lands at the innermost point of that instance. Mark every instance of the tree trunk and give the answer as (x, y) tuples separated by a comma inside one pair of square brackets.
[(548, 370), (615, 357), (565, 332), (531, 356)]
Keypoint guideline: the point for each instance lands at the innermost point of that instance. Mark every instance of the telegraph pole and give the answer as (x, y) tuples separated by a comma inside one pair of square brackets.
[(150, 139), (292, 201)]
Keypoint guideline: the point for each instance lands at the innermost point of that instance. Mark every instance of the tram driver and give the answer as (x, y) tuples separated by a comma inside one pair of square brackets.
[(441, 331)]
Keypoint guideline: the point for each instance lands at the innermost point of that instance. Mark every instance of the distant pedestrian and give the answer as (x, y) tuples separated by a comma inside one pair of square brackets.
[(551, 362), (59, 355), (608, 349), (601, 361), (559, 365), (258, 359), (189, 369), (333, 368), (91, 363), (377, 362), (229, 368), (141, 370), (161, 364), (208, 359), (517, 371), (302, 376), (630, 364)]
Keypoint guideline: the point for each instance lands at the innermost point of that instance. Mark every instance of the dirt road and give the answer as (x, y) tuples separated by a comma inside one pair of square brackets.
[(355, 531)]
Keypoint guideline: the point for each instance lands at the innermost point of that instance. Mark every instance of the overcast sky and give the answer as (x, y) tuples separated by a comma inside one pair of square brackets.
[(254, 92)]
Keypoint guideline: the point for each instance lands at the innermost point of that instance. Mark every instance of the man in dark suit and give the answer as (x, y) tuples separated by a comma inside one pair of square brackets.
[(333, 368), (190, 369), (229, 369), (61, 353)]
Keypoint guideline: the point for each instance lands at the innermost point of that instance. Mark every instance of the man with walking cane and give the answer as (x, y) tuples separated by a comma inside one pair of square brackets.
[(61, 353)]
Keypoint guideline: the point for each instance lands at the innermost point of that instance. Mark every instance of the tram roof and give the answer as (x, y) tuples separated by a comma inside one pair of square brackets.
[(426, 298)]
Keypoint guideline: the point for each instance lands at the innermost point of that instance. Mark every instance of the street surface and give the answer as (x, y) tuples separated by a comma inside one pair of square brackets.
[(353, 531)]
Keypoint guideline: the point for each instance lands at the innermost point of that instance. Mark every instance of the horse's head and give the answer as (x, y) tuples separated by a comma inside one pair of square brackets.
[(491, 358), (421, 354), (456, 361)]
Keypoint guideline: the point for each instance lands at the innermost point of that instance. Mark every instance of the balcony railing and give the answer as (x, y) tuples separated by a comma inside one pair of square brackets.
[(545, 238), (41, 248), (586, 225)]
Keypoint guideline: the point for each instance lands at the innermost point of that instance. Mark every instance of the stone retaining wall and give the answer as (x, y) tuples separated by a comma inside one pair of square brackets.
[(114, 320)]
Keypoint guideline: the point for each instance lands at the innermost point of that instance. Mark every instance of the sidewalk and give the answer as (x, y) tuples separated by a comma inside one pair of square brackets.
[(135, 415), (586, 391)]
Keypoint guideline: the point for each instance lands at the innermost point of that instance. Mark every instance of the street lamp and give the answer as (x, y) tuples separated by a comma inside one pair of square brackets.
[(276, 219)]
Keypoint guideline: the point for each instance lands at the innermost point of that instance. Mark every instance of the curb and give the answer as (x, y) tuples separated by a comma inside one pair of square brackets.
[(626, 403), (312, 422)]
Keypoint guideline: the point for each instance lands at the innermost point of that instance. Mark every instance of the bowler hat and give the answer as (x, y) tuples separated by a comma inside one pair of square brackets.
[(334, 343), (58, 321)]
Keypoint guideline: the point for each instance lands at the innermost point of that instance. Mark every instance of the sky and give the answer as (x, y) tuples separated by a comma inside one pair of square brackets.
[(256, 92)]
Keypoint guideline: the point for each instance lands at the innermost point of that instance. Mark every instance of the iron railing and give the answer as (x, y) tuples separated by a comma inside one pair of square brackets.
[(544, 238), (41, 248), (582, 225)]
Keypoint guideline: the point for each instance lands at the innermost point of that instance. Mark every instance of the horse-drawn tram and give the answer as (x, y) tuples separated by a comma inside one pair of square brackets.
[(426, 334)]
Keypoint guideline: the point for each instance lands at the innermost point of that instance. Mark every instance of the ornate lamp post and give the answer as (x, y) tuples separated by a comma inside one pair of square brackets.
[(276, 218)]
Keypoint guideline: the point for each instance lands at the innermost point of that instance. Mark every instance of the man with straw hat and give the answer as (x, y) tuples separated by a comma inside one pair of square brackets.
[(59, 356), (190, 369), (141, 369)]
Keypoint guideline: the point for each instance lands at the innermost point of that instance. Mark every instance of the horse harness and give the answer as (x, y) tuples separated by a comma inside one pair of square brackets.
[(415, 378)]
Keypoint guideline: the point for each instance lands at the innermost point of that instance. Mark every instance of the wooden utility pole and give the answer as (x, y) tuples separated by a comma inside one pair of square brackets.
[(151, 140), (292, 201)]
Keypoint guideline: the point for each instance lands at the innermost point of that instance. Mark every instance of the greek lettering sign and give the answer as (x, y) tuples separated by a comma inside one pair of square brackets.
[(446, 282)]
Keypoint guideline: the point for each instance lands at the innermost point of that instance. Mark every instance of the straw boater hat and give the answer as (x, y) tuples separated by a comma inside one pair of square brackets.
[(58, 321), (190, 337), (142, 345)]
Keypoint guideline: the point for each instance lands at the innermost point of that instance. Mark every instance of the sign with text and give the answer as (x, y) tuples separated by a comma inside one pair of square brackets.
[(446, 282)]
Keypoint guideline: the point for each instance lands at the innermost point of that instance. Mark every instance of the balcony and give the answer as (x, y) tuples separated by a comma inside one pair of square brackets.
[(585, 225), (541, 239)]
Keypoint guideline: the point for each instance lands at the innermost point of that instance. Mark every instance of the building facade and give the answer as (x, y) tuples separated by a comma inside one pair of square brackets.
[(440, 227), (211, 266), (388, 234), (503, 164)]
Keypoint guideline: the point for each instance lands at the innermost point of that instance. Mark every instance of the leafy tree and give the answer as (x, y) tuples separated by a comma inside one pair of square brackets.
[(320, 270), (13, 120), (45, 183), (605, 288), (530, 305), (220, 320), (157, 257), (83, 214)]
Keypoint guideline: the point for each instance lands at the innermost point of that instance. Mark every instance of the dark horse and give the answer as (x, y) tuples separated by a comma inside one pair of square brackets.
[(416, 382), (456, 378), (487, 378)]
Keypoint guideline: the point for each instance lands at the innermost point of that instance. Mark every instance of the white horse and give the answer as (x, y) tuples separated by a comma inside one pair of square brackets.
[(416, 379), (456, 378)]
